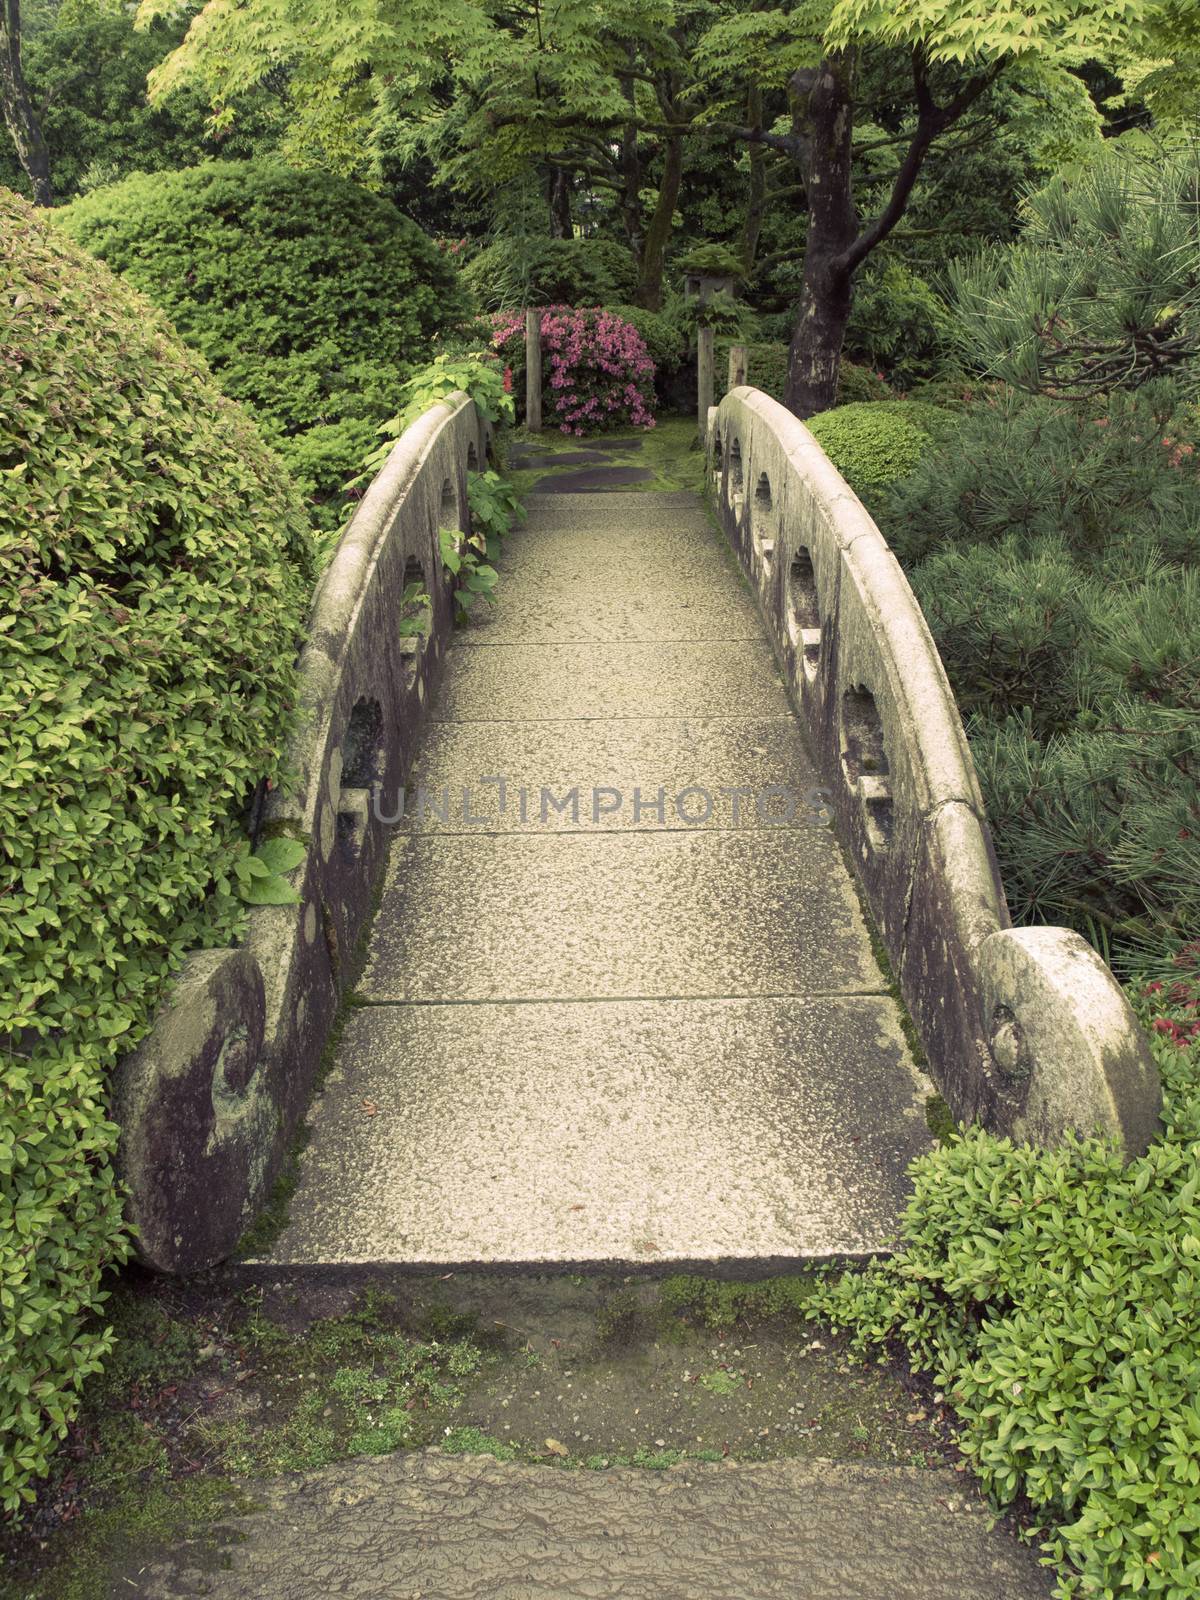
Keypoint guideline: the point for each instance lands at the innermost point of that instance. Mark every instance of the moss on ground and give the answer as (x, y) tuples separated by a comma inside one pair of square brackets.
[(669, 451), (217, 1383)]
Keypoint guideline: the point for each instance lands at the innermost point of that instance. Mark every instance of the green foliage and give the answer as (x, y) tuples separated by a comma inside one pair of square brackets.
[(87, 75), (1090, 475), (495, 505), (308, 296), (768, 366), (474, 375), (154, 562), (663, 338), (1009, 624), (1055, 1296), (712, 261), (974, 30), (1054, 547), (872, 445), (898, 323), (514, 273), (1103, 288)]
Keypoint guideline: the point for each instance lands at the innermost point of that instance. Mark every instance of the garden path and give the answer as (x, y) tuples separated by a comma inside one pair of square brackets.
[(637, 1026)]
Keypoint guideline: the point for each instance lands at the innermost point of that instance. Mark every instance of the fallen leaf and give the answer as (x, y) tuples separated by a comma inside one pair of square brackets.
[(557, 1449)]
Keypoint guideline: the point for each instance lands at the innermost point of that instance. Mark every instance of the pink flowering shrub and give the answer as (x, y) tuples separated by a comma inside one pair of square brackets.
[(596, 370)]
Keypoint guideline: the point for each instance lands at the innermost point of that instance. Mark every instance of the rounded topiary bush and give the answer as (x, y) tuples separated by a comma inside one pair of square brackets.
[(569, 272), (153, 576), (309, 297), (872, 444)]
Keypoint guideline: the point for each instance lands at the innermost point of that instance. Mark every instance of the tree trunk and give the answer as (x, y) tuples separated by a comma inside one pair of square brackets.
[(560, 204), (658, 234), (824, 117), (18, 108), (631, 188), (756, 199)]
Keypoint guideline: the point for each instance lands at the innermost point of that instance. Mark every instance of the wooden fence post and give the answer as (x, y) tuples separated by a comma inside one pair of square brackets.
[(739, 366), (533, 371), (704, 381)]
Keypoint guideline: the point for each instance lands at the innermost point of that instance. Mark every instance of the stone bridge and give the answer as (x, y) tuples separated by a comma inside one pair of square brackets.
[(691, 910)]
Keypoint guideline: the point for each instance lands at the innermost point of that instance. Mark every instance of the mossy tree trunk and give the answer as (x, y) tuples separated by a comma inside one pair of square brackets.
[(559, 196), (837, 244), (18, 107)]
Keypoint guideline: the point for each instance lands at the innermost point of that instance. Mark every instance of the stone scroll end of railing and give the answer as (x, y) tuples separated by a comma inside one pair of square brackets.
[(888, 739), (209, 1101)]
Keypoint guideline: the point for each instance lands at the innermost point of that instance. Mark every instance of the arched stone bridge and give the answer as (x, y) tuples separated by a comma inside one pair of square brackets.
[(623, 992)]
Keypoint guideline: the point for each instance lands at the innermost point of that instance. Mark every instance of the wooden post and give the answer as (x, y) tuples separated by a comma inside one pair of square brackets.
[(704, 381), (533, 371), (739, 366)]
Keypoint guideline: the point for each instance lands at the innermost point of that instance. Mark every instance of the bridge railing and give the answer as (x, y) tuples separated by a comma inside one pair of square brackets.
[(210, 1101), (1026, 1030)]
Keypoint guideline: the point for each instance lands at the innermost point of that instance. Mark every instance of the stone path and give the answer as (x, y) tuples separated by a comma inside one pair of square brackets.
[(610, 1031), (430, 1527)]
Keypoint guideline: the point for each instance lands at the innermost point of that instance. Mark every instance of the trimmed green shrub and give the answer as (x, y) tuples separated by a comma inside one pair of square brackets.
[(872, 445), (1054, 1296), (857, 383), (514, 273), (309, 298), (154, 571)]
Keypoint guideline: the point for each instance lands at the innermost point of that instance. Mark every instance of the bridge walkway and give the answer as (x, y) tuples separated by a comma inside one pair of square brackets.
[(602, 1020)]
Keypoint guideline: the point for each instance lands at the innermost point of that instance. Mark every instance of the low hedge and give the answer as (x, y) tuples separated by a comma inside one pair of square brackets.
[(154, 571), (309, 297), (874, 444)]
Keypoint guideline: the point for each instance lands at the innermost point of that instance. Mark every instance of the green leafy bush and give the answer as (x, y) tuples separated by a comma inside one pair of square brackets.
[(662, 337), (153, 575), (1054, 1295), (309, 297), (872, 445), (86, 68), (513, 273)]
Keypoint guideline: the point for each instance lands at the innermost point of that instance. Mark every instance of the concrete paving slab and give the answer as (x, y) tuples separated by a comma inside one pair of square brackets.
[(697, 1131), (630, 613), (609, 679), (651, 514), (618, 914), (730, 762), (592, 479), (471, 1528), (685, 555)]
